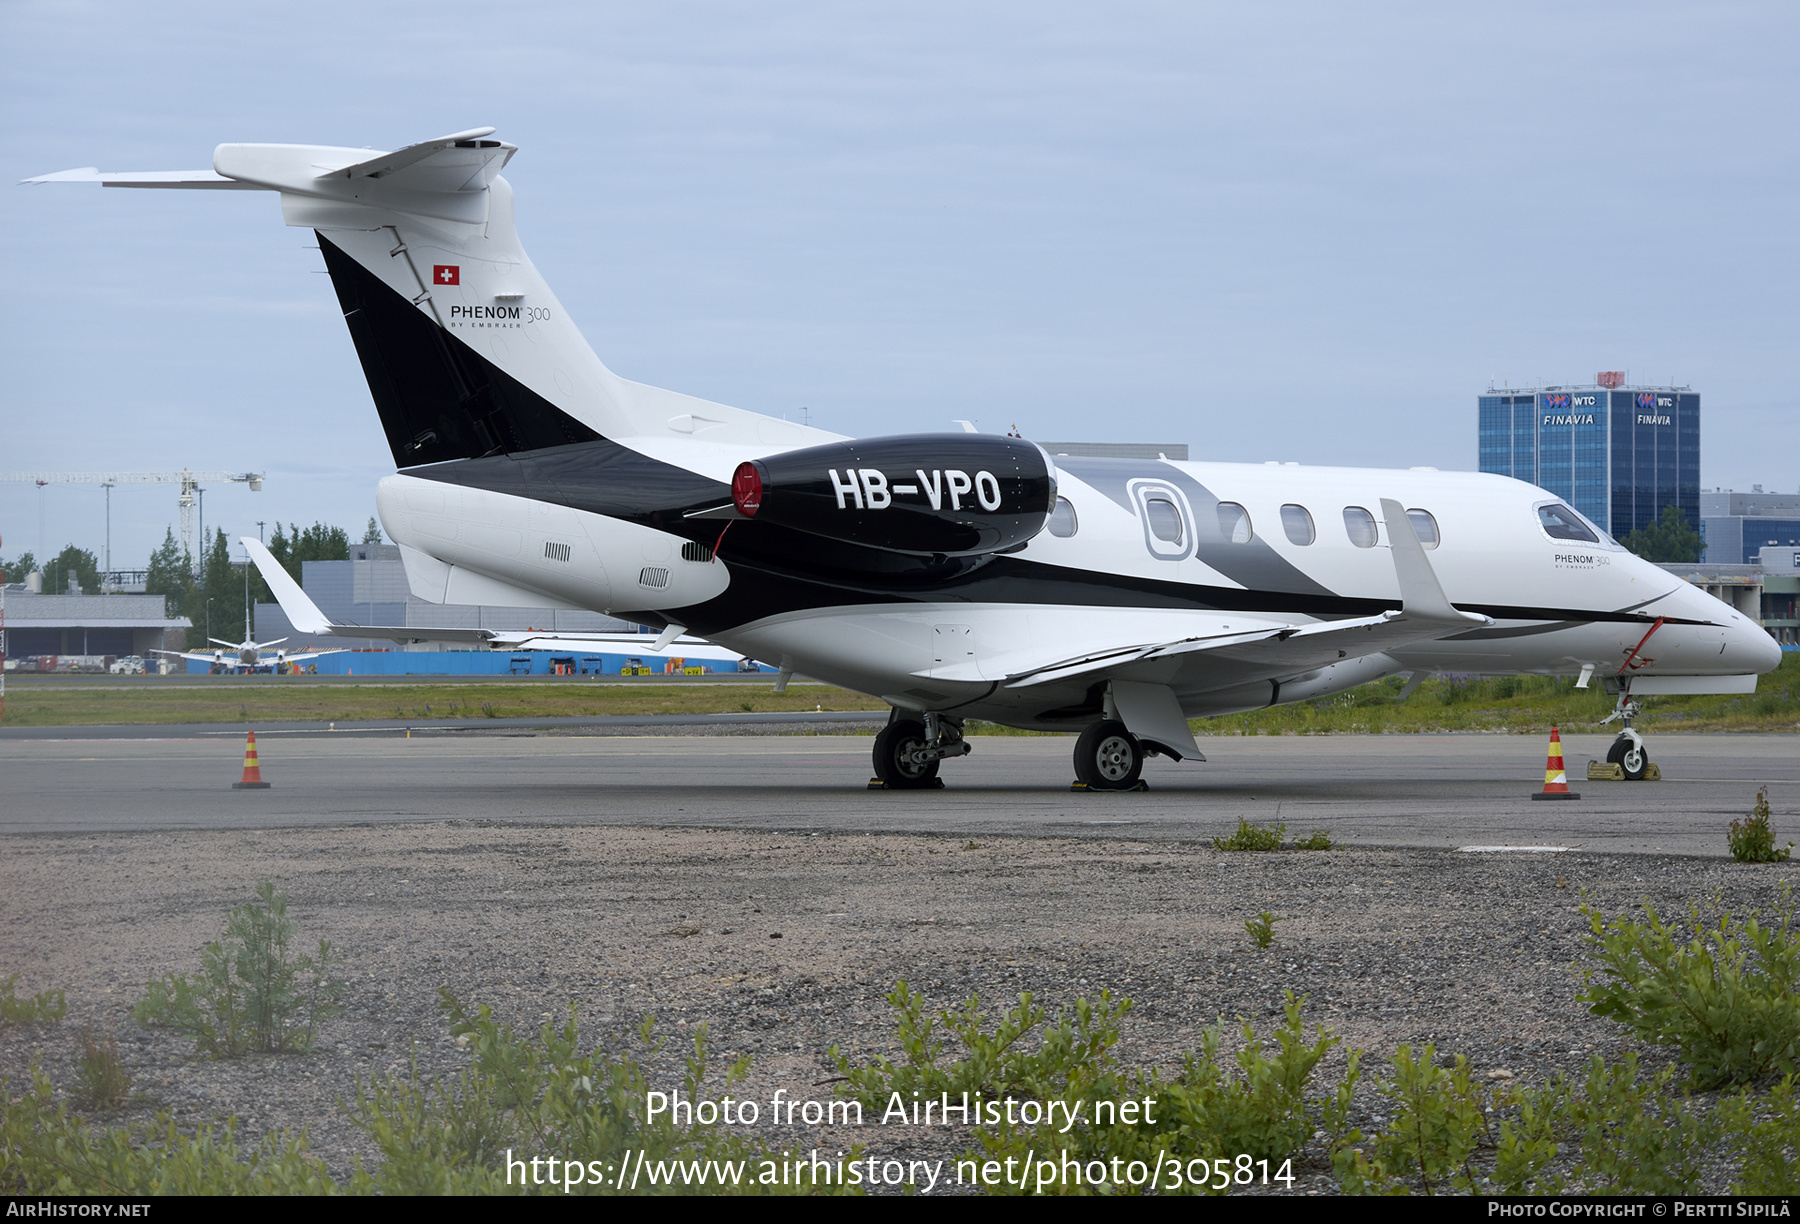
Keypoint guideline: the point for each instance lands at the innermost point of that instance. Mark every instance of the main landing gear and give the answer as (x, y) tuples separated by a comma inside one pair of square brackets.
[(1627, 751), (1108, 757), (907, 751)]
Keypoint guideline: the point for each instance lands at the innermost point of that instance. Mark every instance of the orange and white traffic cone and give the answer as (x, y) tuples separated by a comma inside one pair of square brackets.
[(1556, 782), (252, 773)]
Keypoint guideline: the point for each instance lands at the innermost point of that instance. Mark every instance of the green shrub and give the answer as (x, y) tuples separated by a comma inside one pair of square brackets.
[(1320, 840), (521, 1097), (1752, 839), (1723, 995), (1252, 837), (45, 1007), (1441, 1117), (1261, 1109), (1765, 1137), (1636, 1136), (44, 1149), (526, 1097), (1610, 1132), (1264, 1108), (252, 992), (100, 1073)]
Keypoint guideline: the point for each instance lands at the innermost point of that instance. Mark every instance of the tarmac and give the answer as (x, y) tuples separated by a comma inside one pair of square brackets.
[(1423, 791)]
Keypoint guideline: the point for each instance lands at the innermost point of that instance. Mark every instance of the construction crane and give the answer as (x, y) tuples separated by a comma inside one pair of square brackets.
[(191, 492)]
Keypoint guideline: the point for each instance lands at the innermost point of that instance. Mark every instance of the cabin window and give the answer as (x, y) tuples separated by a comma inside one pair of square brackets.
[(1164, 520), (1361, 526), (1562, 523), (1063, 522), (1168, 525), (1234, 523), (1424, 526), (1297, 522)]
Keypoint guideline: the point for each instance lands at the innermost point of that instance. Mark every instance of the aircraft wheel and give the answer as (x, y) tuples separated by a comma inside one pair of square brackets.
[(891, 766), (1108, 757), (1629, 756)]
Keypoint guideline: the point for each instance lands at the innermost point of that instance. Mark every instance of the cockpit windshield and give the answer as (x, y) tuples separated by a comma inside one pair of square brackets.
[(1562, 523)]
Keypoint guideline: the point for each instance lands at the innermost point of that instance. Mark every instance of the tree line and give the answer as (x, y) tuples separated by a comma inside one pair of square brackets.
[(211, 595)]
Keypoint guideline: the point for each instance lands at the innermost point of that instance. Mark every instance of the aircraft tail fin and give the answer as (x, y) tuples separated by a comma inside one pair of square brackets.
[(302, 613), (467, 351)]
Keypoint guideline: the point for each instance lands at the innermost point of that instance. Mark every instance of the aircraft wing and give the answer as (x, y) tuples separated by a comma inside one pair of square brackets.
[(1425, 614), (199, 656), (307, 657)]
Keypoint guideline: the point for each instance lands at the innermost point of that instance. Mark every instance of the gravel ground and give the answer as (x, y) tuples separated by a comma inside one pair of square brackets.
[(785, 944)]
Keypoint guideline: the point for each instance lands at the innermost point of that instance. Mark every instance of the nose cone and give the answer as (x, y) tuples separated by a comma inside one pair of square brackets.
[(1750, 642)]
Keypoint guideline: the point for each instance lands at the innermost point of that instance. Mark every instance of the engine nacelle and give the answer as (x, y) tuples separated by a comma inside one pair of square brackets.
[(953, 495)]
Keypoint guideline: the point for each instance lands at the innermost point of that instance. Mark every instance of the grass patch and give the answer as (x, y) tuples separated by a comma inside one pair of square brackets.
[(1259, 837), (1523, 705), (1517, 704), (307, 699)]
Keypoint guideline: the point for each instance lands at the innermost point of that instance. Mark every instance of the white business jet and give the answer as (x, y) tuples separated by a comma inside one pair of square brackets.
[(953, 575)]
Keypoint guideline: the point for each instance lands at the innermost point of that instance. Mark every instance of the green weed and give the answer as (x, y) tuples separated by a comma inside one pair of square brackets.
[(1252, 837), (1752, 839), (252, 992), (45, 1007), (1261, 928), (100, 1073)]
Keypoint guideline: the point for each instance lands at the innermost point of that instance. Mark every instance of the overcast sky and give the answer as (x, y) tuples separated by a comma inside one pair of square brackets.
[(1289, 231)]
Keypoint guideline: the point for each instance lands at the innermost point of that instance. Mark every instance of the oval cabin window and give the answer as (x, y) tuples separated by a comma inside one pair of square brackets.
[(1360, 524), (1424, 526), (1297, 522), (1063, 522), (1164, 519), (1234, 523)]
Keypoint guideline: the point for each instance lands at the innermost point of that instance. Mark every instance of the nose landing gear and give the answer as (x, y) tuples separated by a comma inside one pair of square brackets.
[(1627, 751)]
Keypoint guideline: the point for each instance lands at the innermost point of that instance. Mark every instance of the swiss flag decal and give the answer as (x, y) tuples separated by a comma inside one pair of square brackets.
[(446, 274)]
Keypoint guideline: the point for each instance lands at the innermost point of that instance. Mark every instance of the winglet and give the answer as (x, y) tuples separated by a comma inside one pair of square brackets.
[(302, 613), (1421, 594)]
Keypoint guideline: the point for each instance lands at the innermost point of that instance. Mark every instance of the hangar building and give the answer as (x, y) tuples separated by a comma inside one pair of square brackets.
[(1739, 525)]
